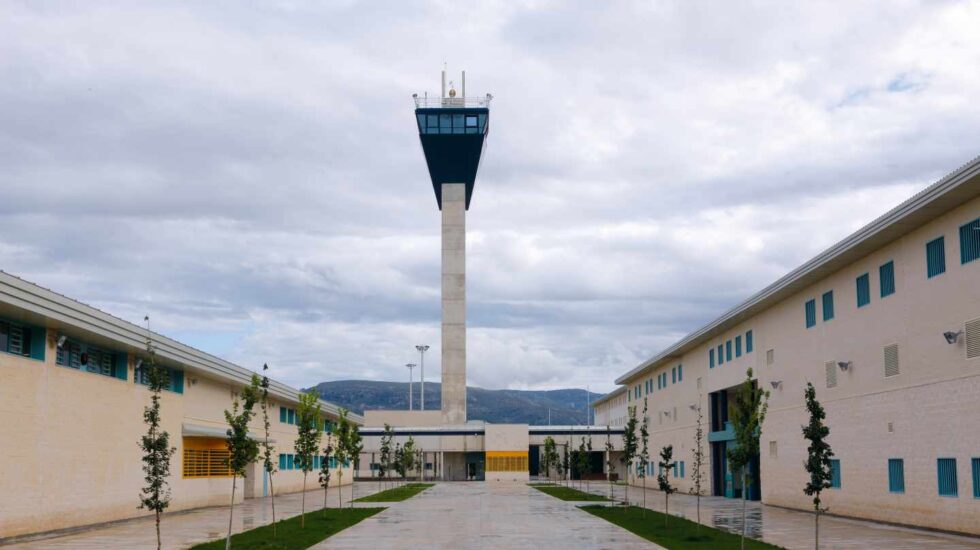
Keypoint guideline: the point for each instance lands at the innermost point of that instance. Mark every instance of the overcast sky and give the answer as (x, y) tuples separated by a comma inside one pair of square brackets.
[(249, 174)]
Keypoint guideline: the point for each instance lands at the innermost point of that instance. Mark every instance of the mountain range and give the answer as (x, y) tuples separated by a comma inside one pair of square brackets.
[(536, 407)]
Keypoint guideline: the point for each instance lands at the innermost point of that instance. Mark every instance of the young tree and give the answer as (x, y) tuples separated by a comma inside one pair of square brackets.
[(384, 458), (399, 460), (355, 444), (609, 462), (550, 456), (267, 447), (697, 477), (819, 454), (663, 478), (409, 453), (748, 413), (588, 450), (325, 472), (644, 452), (342, 436), (581, 462), (242, 449), (566, 465), (629, 448), (157, 452), (309, 430)]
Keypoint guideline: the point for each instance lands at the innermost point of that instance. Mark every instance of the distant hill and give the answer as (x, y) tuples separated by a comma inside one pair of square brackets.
[(497, 406)]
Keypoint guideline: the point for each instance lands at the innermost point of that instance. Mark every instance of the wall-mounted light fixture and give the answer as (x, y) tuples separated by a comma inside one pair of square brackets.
[(951, 337), (139, 363), (693, 407), (62, 340), (667, 413), (776, 383), (844, 365)]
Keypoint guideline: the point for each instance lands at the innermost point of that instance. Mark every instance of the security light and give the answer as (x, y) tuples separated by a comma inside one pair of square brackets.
[(61, 341), (694, 407), (776, 383), (844, 365), (666, 413), (952, 337)]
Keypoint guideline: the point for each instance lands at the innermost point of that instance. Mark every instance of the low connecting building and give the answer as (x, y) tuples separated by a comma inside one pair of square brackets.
[(886, 325), (72, 402)]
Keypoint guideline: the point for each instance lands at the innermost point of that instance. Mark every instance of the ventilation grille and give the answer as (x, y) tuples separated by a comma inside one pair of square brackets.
[(973, 339), (772, 449), (770, 357), (831, 368), (891, 360)]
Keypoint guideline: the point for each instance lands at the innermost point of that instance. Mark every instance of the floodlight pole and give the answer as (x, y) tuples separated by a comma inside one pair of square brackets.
[(410, 367), (422, 349)]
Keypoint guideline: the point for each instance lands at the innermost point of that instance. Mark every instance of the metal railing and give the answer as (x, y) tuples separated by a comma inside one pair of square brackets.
[(422, 102)]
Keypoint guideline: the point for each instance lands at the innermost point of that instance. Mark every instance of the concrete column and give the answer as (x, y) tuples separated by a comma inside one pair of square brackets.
[(454, 303)]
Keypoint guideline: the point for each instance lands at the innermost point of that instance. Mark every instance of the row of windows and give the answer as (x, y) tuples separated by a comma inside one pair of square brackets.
[(969, 249), (725, 350), (174, 378), (507, 463), (293, 462), (679, 469), (676, 375), (86, 357), (289, 416), (946, 479), (454, 123)]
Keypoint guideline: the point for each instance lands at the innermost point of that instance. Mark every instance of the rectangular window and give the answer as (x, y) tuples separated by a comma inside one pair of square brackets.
[(886, 274), (896, 475), (21, 340), (970, 241), (711, 358), (721, 354), (946, 472), (290, 462), (680, 373), (673, 375), (975, 463), (282, 461), (728, 350), (834, 473), (828, 305), (738, 346), (89, 358), (292, 416), (811, 313), (282, 415), (748, 342), (174, 378), (863, 290), (205, 457), (682, 468), (935, 257)]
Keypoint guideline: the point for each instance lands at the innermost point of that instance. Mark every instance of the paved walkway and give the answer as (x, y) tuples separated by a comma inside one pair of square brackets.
[(185, 529), (789, 528), (484, 515)]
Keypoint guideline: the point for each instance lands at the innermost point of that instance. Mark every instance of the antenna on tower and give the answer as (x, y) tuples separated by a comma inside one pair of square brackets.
[(444, 80)]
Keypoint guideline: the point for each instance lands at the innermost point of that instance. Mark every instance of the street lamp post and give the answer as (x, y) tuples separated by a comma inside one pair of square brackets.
[(410, 367), (422, 349)]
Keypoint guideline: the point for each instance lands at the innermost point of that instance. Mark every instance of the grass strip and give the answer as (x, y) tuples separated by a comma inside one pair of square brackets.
[(289, 535), (567, 493), (678, 534), (397, 494)]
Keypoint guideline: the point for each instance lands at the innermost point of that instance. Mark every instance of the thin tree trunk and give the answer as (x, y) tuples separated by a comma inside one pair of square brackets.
[(340, 489), (302, 512), (745, 494), (325, 487), (699, 512), (158, 530), (231, 512), (816, 530), (272, 491), (644, 494), (666, 507)]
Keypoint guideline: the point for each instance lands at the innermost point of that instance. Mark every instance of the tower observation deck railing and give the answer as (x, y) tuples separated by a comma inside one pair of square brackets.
[(451, 102)]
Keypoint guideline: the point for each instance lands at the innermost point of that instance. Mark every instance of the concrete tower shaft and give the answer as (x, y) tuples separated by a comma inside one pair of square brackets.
[(454, 303)]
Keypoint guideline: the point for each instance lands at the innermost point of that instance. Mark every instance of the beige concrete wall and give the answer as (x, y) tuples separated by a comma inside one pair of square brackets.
[(931, 406), (402, 419), (454, 303), (506, 437), (71, 454), (611, 412)]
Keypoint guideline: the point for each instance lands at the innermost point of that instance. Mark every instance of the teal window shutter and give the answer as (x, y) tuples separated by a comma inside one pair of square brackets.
[(290, 462), (121, 366), (970, 241), (721, 354), (896, 475), (975, 463), (828, 305), (886, 275), (282, 461), (682, 468), (711, 358), (673, 375), (177, 381), (292, 415), (834, 473), (946, 473), (935, 257), (811, 313), (738, 346), (282, 415), (728, 350), (680, 373), (863, 290), (38, 343), (748, 342)]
